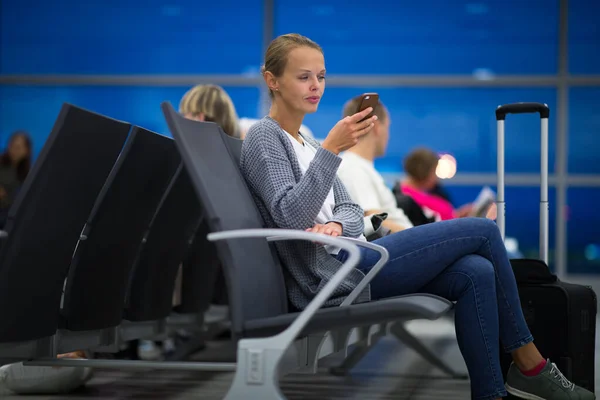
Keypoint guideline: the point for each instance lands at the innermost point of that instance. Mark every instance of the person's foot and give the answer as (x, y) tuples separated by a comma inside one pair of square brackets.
[(549, 384), (169, 347), (148, 351)]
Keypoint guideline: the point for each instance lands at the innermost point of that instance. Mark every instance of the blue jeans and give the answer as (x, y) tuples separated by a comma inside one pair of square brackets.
[(463, 260)]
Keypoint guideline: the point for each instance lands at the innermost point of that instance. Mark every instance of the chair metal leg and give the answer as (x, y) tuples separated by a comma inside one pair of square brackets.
[(414, 343), (257, 375), (353, 358), (368, 338)]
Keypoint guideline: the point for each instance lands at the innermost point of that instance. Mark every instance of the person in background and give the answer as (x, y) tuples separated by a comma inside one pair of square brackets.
[(419, 166), (357, 172), (439, 190), (211, 103), (15, 164), (206, 103)]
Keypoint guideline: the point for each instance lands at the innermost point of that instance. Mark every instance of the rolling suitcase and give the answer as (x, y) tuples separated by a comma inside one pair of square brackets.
[(560, 315)]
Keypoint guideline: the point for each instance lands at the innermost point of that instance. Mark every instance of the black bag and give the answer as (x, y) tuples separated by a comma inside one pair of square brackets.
[(562, 319), (411, 209), (561, 316)]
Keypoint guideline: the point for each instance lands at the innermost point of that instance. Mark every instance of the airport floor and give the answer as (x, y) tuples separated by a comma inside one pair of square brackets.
[(390, 371)]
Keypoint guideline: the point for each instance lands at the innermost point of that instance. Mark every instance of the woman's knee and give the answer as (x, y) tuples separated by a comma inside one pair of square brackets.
[(478, 268), (469, 274), (486, 227)]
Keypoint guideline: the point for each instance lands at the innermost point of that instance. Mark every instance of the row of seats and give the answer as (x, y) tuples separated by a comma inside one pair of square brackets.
[(112, 210)]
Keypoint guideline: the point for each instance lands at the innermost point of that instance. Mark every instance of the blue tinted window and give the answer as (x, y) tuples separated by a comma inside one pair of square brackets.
[(583, 235), (428, 37), (522, 214), (584, 37), (459, 121), (35, 109), (584, 130), (113, 37)]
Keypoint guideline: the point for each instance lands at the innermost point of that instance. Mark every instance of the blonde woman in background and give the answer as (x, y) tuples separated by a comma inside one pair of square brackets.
[(207, 103), (211, 103)]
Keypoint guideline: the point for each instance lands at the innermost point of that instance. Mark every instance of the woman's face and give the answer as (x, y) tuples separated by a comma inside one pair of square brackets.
[(302, 84), (17, 149)]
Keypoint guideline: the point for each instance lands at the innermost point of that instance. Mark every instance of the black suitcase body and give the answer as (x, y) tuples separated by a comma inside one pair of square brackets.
[(561, 316), (562, 320)]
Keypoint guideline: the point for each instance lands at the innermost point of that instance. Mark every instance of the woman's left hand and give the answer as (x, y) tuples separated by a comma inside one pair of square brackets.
[(331, 229)]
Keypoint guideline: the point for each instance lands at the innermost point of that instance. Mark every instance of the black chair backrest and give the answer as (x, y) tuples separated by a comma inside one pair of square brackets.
[(255, 278), (165, 247), (47, 217), (202, 264), (101, 267), (235, 147), (202, 274)]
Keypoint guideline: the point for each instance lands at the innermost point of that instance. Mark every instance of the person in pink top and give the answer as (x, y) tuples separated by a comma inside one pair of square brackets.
[(420, 166)]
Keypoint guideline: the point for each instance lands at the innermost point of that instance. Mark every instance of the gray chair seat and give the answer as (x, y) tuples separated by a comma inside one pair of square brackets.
[(374, 312)]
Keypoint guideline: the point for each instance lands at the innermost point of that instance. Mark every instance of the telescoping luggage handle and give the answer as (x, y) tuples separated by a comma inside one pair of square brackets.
[(525, 108)]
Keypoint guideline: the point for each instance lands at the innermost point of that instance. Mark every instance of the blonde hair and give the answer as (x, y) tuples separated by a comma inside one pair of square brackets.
[(276, 56), (214, 103)]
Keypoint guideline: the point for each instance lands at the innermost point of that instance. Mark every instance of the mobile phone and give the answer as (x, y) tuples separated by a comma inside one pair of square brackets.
[(368, 100)]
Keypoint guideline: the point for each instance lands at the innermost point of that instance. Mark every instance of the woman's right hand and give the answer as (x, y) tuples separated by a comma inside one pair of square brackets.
[(346, 132)]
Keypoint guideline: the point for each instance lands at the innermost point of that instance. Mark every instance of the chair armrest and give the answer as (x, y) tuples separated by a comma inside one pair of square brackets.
[(384, 256), (286, 337)]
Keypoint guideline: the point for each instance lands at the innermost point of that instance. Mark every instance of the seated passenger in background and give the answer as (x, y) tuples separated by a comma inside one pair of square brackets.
[(357, 172), (211, 103), (15, 163), (419, 167), (440, 191)]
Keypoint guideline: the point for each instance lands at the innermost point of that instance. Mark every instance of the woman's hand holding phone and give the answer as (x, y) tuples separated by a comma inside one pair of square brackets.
[(346, 132)]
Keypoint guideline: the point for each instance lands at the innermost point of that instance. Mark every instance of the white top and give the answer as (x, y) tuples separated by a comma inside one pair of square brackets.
[(305, 154), (246, 123), (367, 188)]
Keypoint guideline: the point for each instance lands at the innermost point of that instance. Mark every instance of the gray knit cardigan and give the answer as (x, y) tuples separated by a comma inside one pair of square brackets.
[(288, 199)]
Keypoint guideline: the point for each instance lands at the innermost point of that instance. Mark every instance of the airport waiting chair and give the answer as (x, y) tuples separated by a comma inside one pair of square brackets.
[(165, 247), (267, 333), (44, 226), (100, 271), (271, 340), (149, 295), (363, 347)]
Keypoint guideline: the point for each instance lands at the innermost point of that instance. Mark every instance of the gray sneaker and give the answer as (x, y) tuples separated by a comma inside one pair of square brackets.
[(550, 384)]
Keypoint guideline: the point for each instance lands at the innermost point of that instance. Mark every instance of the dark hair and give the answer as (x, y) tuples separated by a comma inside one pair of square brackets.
[(22, 168), (351, 107), (420, 163)]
